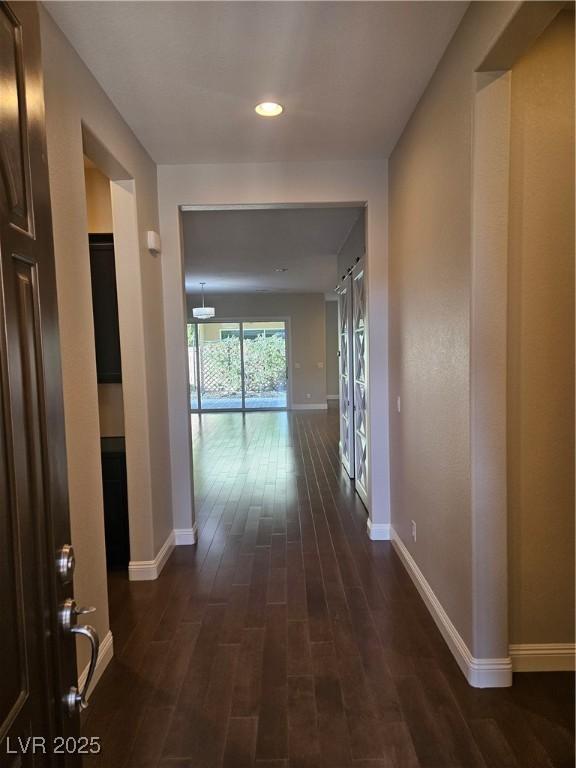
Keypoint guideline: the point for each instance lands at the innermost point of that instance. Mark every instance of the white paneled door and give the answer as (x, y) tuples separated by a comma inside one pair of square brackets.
[(359, 355), (346, 379)]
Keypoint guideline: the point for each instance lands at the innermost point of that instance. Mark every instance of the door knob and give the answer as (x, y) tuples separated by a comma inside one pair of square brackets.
[(75, 700)]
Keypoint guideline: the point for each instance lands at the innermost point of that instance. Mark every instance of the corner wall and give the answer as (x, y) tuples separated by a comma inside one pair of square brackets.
[(541, 340), (430, 293), (73, 97), (442, 361)]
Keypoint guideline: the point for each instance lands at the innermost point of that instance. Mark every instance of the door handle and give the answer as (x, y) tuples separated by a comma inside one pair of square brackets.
[(87, 631), (75, 701)]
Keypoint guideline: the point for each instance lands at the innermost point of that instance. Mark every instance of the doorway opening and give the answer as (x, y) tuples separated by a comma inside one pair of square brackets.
[(108, 367), (238, 365), (270, 342)]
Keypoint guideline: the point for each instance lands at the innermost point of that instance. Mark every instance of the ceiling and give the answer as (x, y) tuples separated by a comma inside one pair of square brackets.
[(238, 251), (186, 75)]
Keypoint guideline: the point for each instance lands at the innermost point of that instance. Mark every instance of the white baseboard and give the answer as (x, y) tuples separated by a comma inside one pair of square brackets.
[(105, 655), (480, 673), (543, 657), (378, 531), (332, 397), (185, 536), (148, 570), (309, 406)]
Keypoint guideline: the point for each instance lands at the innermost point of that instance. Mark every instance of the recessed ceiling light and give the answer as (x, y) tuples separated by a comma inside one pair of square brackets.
[(281, 269), (269, 109)]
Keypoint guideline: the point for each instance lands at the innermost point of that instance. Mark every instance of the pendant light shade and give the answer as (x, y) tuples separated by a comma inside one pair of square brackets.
[(203, 312)]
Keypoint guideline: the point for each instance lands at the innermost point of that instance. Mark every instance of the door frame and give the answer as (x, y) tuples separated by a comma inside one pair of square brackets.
[(328, 187), (262, 319), (125, 203)]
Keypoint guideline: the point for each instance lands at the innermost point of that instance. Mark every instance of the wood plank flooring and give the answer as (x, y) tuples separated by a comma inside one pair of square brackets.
[(286, 639)]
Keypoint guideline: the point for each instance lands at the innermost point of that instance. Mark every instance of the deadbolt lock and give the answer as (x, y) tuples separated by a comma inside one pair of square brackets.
[(68, 613), (65, 563)]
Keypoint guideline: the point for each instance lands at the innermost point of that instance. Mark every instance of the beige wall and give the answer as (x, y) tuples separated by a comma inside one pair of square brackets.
[(307, 334), (74, 98), (332, 373), (98, 203), (541, 340), (111, 410), (430, 185)]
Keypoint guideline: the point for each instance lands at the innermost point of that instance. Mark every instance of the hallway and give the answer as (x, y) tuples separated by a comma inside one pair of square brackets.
[(286, 638)]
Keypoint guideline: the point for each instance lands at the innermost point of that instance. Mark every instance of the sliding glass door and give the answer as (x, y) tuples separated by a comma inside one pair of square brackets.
[(239, 365), (220, 366), (265, 371)]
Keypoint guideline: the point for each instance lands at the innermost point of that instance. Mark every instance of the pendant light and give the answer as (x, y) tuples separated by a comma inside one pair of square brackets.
[(203, 312)]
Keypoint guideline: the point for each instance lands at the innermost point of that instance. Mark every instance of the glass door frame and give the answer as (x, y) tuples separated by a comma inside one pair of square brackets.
[(241, 322)]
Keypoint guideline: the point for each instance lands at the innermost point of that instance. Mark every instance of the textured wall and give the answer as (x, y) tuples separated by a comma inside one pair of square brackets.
[(541, 340), (73, 97), (430, 188)]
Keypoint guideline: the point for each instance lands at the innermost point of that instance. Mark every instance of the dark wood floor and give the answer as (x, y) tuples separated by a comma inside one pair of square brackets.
[(287, 639)]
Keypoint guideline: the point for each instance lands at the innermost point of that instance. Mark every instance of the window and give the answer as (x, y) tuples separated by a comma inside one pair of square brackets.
[(253, 333), (238, 365)]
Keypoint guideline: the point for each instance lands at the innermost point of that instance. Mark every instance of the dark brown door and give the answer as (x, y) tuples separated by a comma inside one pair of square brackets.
[(37, 658)]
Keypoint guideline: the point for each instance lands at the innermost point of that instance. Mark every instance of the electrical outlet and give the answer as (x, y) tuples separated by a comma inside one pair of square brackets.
[(413, 525), (308, 395)]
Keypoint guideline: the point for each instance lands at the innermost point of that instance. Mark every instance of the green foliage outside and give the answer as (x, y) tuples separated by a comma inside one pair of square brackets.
[(264, 365), (220, 366)]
